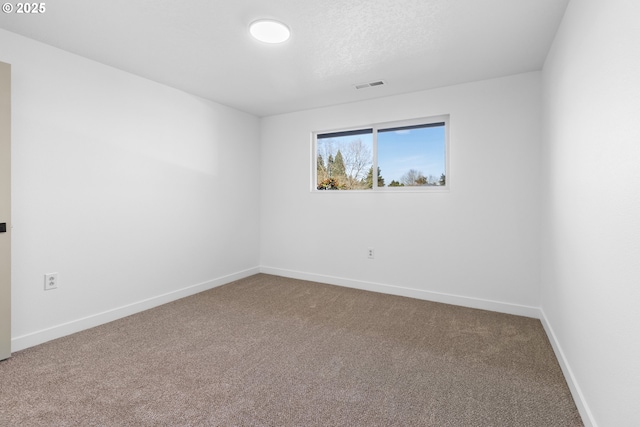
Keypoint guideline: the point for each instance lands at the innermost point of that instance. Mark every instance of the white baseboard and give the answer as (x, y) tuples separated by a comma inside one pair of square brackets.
[(58, 331), (576, 392), (483, 304)]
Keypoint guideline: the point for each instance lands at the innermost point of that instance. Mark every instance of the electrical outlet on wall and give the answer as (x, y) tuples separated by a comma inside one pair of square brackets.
[(370, 253), (50, 281)]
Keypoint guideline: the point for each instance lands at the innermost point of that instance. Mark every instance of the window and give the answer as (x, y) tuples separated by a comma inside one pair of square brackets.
[(400, 156)]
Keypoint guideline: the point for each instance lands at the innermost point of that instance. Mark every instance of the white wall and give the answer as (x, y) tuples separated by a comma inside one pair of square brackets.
[(591, 245), (476, 245), (132, 191)]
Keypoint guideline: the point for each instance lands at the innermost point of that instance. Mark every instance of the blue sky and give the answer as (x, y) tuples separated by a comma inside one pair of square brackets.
[(422, 149)]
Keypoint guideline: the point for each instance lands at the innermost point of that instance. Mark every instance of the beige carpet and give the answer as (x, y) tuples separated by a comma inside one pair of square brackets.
[(270, 351)]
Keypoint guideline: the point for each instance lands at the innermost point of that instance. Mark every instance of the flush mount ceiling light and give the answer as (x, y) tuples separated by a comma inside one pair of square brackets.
[(269, 31)]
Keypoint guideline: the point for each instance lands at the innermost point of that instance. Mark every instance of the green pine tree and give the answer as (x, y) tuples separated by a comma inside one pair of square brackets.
[(330, 165), (368, 181), (339, 170), (321, 169)]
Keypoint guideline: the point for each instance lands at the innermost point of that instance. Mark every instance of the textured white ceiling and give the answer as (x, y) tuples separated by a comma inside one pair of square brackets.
[(203, 46)]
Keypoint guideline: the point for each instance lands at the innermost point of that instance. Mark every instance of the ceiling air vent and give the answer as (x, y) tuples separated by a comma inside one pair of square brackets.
[(370, 84)]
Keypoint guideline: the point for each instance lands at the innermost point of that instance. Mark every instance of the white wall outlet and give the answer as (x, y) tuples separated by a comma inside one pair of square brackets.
[(50, 281), (370, 253)]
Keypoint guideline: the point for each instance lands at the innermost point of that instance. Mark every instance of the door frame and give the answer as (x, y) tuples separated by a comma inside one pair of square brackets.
[(5, 210)]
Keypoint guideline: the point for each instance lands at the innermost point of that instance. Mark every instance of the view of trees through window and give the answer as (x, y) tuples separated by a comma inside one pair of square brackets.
[(345, 161), (407, 156)]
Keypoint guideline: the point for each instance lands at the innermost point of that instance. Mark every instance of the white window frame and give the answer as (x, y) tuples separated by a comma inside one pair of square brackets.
[(444, 118)]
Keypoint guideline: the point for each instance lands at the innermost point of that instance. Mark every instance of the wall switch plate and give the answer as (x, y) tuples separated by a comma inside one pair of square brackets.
[(50, 281)]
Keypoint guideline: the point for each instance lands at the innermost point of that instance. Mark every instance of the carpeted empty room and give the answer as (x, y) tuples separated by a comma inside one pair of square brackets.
[(320, 213), (274, 351)]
